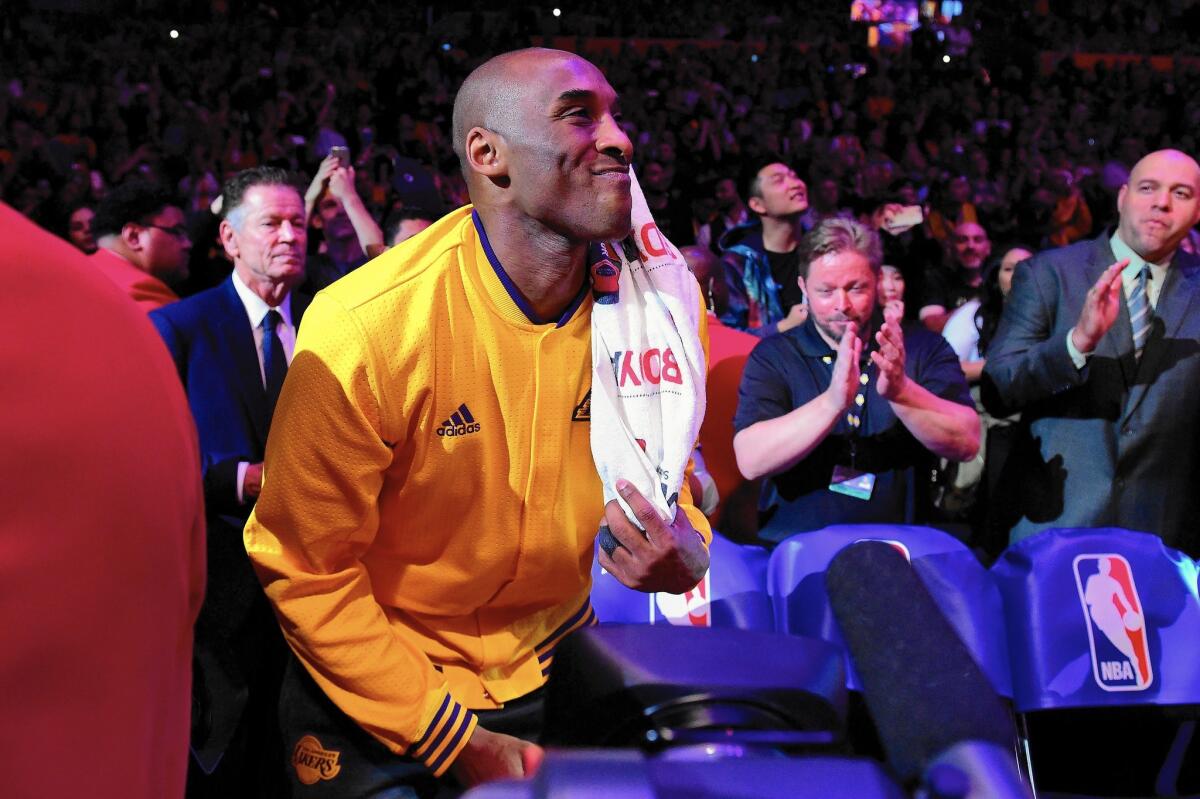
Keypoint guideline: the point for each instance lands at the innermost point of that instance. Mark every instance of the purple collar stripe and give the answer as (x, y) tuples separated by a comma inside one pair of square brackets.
[(511, 287), (574, 306)]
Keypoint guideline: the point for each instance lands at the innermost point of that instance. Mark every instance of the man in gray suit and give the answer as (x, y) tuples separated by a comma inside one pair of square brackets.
[(1099, 347)]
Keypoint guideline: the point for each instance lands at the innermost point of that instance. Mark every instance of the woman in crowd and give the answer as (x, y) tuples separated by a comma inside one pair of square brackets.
[(964, 488)]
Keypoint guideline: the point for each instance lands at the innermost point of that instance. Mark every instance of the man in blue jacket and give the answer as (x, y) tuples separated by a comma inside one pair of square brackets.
[(761, 258), (232, 345)]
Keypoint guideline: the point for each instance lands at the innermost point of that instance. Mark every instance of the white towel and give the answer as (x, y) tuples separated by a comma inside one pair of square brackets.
[(648, 367)]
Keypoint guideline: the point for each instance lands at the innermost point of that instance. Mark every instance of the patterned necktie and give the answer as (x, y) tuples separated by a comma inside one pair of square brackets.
[(1140, 315), (274, 359)]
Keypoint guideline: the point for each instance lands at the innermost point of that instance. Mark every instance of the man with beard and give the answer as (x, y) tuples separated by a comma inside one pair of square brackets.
[(351, 234), (427, 526), (947, 289), (1099, 348), (839, 411)]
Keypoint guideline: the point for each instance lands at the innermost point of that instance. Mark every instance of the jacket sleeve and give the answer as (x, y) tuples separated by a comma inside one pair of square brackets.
[(317, 515), (736, 313), (220, 477), (175, 344), (1028, 360)]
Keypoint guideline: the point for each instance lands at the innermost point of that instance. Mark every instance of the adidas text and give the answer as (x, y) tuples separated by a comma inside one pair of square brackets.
[(449, 431)]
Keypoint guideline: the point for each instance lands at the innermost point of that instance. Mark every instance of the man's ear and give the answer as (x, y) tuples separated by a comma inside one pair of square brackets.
[(228, 238), (485, 150), (131, 236), (757, 205)]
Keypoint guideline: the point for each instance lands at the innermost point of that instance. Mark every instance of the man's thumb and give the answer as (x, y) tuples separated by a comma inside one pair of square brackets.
[(531, 759)]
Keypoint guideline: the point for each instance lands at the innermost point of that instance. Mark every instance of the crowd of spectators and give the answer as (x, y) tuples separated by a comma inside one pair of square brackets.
[(1081, 25), (970, 122), (86, 105)]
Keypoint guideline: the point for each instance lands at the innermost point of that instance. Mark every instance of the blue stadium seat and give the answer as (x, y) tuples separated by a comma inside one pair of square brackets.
[(963, 589), (603, 774), (1104, 633), (734, 596), (1100, 617)]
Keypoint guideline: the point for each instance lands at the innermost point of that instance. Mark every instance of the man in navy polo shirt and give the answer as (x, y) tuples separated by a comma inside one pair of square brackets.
[(839, 410)]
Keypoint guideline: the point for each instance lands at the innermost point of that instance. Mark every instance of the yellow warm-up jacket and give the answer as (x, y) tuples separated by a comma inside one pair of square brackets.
[(430, 503)]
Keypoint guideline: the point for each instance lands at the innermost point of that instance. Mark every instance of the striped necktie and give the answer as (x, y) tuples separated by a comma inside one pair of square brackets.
[(1140, 314)]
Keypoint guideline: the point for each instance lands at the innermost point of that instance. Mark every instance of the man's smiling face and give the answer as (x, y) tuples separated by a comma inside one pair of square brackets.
[(568, 158)]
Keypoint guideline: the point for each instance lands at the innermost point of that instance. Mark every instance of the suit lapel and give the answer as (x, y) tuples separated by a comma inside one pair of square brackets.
[(239, 343), (1180, 290)]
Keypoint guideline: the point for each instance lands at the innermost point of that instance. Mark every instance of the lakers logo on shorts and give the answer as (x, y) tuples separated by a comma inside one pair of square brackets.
[(314, 763)]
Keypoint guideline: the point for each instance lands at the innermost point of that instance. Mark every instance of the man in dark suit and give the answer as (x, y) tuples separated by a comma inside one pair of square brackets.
[(231, 345), (1099, 347)]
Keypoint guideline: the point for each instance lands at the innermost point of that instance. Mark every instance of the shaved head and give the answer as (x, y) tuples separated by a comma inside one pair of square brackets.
[(491, 95), (537, 135), (1159, 204), (1175, 159)]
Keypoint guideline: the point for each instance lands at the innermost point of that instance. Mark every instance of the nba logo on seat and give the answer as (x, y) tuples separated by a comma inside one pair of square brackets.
[(689, 609), (1116, 622)]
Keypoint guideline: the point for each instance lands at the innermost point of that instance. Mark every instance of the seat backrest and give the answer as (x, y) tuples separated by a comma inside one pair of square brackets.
[(727, 353), (962, 588), (733, 594), (1098, 617), (605, 773), (612, 684)]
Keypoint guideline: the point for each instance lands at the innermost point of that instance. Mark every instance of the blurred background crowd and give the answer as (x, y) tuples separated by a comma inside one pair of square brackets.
[(979, 118)]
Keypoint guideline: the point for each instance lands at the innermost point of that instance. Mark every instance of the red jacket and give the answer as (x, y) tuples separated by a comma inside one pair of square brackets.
[(101, 533)]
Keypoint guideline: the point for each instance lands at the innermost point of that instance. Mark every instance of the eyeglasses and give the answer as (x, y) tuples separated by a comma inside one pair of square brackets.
[(178, 231)]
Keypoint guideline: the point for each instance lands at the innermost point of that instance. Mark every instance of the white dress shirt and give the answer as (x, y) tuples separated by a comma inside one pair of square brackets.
[(256, 311), (1129, 276)]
